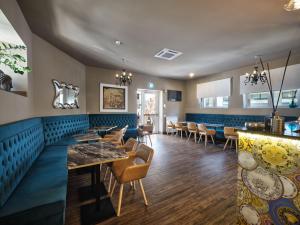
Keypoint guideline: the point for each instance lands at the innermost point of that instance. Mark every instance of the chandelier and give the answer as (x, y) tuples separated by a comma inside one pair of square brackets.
[(124, 78), (292, 5), (256, 76)]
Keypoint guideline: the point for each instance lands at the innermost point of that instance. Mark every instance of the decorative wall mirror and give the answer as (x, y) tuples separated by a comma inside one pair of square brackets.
[(66, 95)]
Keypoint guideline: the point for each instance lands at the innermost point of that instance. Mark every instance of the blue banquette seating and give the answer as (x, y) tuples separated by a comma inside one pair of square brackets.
[(33, 166), (226, 120), (120, 120)]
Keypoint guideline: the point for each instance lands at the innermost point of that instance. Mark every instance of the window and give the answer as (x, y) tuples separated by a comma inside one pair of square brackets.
[(215, 102), (263, 99)]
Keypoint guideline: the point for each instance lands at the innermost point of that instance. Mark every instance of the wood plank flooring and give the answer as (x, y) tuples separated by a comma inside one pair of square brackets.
[(186, 184)]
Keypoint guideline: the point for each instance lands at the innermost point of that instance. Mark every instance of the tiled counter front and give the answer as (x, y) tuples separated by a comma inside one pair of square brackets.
[(268, 180)]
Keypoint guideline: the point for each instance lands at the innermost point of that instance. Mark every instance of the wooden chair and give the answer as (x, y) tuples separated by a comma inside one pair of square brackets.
[(206, 132), (192, 129), (170, 128), (180, 129), (124, 129), (145, 132), (130, 170), (115, 138), (130, 147), (231, 135)]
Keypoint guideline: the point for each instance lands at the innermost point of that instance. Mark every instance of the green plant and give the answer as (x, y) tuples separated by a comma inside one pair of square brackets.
[(11, 59)]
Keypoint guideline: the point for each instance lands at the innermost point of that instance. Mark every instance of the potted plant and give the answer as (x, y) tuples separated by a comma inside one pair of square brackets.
[(13, 60)]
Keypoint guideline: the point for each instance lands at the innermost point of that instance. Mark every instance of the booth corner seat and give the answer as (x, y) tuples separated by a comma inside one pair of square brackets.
[(33, 178), (227, 120), (120, 120)]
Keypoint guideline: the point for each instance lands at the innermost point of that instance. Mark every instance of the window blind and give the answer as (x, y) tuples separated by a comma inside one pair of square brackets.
[(217, 88)]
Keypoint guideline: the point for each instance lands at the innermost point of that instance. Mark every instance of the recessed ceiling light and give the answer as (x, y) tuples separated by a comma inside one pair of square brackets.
[(117, 42), (192, 74)]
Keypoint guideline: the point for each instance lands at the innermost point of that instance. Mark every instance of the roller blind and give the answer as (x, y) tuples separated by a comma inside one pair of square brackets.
[(292, 81), (216, 88)]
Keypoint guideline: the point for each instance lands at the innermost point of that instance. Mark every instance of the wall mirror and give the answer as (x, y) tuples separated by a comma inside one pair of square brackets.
[(66, 95)]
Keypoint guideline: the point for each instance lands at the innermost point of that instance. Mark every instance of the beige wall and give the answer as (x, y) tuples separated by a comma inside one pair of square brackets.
[(96, 75), (51, 63), (236, 100), (47, 63), (15, 107)]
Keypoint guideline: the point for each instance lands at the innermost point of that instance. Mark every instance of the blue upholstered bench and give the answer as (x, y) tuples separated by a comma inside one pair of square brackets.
[(120, 120), (33, 165), (227, 120)]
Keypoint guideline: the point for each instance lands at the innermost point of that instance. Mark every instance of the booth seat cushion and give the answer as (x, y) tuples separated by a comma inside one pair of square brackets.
[(41, 195), (20, 144), (59, 127)]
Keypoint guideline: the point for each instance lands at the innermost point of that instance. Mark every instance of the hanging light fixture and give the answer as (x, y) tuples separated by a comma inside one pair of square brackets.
[(292, 5), (256, 76), (124, 78)]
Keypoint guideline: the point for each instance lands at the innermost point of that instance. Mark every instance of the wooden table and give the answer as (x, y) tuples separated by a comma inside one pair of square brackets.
[(93, 155)]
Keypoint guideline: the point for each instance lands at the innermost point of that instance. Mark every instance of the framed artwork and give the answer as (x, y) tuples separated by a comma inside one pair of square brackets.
[(113, 98)]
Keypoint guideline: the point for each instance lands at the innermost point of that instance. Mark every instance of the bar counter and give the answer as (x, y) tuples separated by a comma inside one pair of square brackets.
[(269, 176)]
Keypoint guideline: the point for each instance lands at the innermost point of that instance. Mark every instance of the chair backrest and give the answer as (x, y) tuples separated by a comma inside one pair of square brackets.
[(145, 153), (192, 126), (229, 131), (130, 145), (148, 128), (124, 129), (202, 127), (170, 124), (178, 125), (139, 170)]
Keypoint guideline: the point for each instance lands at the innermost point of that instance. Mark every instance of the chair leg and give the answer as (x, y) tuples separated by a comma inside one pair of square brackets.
[(143, 192), (150, 140), (189, 136), (225, 146), (205, 142), (113, 188), (212, 138), (186, 133), (133, 185), (195, 135), (230, 144), (105, 174), (200, 138), (181, 134), (120, 199), (109, 183), (236, 146)]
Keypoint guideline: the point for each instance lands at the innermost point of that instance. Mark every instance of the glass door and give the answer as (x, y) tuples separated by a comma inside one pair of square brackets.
[(149, 108)]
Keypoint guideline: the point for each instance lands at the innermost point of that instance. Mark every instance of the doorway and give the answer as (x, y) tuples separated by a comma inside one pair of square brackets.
[(150, 108)]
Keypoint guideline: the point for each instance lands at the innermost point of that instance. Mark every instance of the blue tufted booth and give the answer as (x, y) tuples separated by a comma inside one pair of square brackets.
[(58, 129), (226, 120), (33, 177), (119, 120), (33, 165)]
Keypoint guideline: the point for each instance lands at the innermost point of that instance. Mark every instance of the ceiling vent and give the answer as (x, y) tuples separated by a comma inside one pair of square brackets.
[(167, 54)]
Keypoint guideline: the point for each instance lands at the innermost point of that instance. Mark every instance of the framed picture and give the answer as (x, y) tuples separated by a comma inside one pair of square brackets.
[(113, 98)]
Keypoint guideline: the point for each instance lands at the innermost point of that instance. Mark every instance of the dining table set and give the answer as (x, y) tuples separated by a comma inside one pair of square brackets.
[(88, 155)]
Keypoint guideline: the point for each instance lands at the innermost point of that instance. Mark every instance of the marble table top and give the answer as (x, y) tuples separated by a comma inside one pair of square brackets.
[(86, 137), (89, 154), (103, 128)]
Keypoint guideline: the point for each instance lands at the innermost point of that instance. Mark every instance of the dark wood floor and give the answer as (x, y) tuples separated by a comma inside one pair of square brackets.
[(186, 184)]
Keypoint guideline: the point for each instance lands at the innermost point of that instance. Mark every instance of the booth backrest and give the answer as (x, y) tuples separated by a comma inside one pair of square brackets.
[(20, 144), (227, 120), (59, 127), (120, 120)]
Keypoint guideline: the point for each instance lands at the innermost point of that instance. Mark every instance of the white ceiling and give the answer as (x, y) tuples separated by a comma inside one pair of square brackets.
[(213, 35)]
